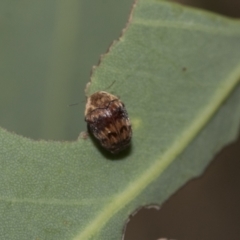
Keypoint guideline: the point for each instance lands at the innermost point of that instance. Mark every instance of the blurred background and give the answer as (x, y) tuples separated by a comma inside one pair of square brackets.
[(47, 50)]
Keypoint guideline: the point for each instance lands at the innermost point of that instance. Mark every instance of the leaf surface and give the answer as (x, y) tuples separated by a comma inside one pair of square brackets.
[(177, 70)]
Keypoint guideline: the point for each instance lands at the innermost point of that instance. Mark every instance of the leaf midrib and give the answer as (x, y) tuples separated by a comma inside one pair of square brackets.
[(136, 187)]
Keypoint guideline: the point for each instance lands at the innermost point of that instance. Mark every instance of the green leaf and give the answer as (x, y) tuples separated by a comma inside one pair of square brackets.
[(177, 70)]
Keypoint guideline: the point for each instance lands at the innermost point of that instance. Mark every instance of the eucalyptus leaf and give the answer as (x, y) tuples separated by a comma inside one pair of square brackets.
[(177, 70)]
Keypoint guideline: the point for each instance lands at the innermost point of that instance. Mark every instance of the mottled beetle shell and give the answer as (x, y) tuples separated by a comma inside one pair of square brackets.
[(108, 120)]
